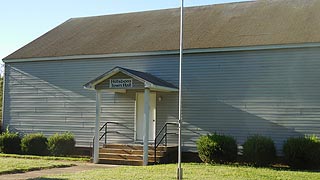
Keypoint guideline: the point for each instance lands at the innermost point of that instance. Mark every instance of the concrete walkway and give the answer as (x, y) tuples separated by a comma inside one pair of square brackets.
[(54, 171)]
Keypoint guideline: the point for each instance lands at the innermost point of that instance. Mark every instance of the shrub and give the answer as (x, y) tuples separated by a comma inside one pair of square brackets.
[(259, 150), (34, 144), (10, 142), (217, 148), (61, 144), (302, 152)]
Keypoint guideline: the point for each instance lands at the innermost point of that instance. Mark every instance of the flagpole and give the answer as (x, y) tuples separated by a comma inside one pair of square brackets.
[(179, 171)]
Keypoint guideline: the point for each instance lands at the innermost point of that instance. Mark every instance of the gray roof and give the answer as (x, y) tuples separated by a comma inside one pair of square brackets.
[(265, 22), (140, 76), (150, 78)]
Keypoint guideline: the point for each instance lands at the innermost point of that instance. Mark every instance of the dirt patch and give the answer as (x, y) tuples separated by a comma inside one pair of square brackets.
[(55, 171)]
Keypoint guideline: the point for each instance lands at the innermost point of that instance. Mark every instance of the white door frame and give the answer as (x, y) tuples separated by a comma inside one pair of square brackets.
[(135, 117)]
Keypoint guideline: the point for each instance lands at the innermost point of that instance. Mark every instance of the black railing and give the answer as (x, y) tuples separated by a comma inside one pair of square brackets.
[(164, 132), (105, 127), (162, 135)]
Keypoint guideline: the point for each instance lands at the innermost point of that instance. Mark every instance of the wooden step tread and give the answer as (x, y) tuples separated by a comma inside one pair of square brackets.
[(127, 151), (115, 159), (126, 157), (130, 155), (152, 150), (123, 162), (136, 147), (140, 145)]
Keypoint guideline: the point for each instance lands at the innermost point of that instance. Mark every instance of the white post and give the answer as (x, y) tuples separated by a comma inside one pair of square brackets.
[(97, 128), (179, 171), (146, 119)]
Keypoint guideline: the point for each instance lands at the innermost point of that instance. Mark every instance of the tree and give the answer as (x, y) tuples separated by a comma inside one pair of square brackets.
[(1, 90)]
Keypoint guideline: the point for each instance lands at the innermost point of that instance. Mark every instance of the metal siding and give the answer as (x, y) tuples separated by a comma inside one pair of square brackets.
[(118, 107), (268, 92), (167, 111), (274, 93), (49, 96)]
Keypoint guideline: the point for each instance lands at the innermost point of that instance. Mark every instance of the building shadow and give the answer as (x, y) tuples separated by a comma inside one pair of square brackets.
[(236, 122)]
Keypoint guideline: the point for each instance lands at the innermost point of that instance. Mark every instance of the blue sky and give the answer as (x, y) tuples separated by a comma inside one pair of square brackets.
[(22, 21)]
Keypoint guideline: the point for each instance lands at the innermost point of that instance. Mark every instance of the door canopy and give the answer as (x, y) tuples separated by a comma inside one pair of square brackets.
[(121, 79)]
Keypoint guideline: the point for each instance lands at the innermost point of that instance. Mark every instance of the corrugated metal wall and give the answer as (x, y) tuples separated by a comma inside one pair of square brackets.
[(274, 93), (269, 92), (49, 97)]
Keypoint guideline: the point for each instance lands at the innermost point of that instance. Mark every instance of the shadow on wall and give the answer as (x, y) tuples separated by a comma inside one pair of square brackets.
[(59, 110), (72, 75), (50, 101), (226, 119), (121, 113), (229, 120), (25, 80)]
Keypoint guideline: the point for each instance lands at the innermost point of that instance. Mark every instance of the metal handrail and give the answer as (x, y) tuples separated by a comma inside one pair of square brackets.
[(164, 136), (105, 127)]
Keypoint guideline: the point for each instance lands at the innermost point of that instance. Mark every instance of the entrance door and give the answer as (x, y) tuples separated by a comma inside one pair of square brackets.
[(140, 114)]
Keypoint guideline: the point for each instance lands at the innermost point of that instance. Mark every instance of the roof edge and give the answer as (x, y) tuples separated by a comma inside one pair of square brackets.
[(165, 9), (170, 52)]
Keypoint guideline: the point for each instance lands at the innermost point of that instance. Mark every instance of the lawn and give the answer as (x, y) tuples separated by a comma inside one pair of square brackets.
[(191, 171), (84, 158), (15, 165)]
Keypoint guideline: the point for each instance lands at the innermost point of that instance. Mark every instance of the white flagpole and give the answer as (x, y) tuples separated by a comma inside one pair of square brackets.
[(179, 172)]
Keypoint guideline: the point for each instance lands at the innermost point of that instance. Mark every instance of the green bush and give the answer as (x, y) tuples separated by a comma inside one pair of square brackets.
[(61, 144), (10, 142), (302, 152), (259, 150), (217, 148), (34, 144)]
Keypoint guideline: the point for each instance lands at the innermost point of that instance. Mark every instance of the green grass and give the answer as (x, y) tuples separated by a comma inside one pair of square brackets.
[(85, 159), (191, 171), (11, 165)]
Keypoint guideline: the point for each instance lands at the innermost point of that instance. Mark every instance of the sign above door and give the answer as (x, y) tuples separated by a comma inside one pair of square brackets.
[(120, 78)]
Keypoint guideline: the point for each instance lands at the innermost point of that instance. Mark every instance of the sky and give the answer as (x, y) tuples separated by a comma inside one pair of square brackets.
[(22, 21)]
